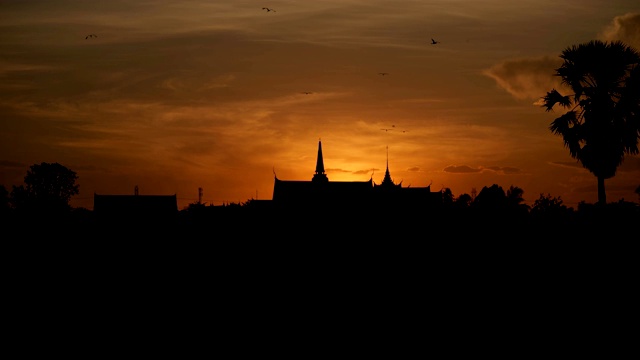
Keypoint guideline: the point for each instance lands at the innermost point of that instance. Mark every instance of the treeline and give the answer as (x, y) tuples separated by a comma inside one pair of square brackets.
[(42, 205), (493, 212)]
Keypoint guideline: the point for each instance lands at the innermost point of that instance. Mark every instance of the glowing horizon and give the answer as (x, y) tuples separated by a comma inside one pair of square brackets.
[(218, 95)]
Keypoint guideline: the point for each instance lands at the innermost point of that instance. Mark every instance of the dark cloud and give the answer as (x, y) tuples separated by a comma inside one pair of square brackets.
[(367, 171), (461, 169), (526, 78), (568, 164), (510, 170), (337, 171), (7, 164), (625, 28), (531, 78), (630, 164), (505, 170)]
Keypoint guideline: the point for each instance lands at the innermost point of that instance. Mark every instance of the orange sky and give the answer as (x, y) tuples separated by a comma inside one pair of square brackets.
[(173, 96)]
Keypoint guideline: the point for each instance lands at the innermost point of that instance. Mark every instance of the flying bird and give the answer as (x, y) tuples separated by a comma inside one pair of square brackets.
[(268, 9), (307, 92), (383, 73), (433, 42), (386, 129), (90, 36)]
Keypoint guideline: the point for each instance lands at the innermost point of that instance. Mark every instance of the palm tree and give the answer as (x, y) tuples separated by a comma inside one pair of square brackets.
[(515, 201), (603, 123)]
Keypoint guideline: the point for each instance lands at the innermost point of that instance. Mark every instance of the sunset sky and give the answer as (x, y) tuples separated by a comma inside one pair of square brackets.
[(176, 95)]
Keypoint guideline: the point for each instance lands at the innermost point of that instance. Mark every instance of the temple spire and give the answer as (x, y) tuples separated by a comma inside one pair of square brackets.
[(387, 158), (387, 176), (319, 174)]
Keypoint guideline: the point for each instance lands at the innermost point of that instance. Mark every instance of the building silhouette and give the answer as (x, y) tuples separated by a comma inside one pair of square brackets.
[(295, 204), (135, 209), (321, 194)]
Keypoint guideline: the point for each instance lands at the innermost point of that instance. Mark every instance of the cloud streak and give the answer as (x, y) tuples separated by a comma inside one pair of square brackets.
[(526, 79), (465, 169), (625, 28), (532, 78)]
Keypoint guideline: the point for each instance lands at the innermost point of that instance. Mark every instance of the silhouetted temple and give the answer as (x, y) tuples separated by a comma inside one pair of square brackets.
[(320, 193)]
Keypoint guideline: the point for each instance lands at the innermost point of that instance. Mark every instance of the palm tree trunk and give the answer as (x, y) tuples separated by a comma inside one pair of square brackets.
[(602, 196)]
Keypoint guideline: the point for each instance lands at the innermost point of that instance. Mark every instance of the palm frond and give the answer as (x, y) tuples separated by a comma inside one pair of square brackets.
[(561, 125), (573, 141), (553, 97)]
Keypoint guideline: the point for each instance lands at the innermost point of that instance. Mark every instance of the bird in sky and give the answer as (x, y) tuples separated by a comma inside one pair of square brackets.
[(268, 9), (383, 73), (90, 36), (433, 42), (307, 92), (386, 129)]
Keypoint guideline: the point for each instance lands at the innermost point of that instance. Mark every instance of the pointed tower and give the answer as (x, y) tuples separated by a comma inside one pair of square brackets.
[(320, 176), (387, 176), (387, 182)]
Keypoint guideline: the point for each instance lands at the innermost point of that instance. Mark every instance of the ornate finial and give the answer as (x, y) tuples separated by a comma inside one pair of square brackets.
[(387, 158)]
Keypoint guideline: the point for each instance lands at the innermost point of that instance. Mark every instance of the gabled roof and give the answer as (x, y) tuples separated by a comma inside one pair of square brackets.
[(303, 191), (320, 192)]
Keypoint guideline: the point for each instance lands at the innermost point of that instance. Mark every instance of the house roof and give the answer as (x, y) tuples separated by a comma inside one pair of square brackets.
[(127, 204)]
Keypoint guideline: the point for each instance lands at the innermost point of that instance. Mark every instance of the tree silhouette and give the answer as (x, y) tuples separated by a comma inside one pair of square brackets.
[(549, 208), (463, 201), (491, 198), (603, 123), (4, 200), (515, 201), (47, 189), (447, 197)]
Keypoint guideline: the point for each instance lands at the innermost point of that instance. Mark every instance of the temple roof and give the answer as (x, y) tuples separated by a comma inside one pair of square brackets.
[(321, 191), (292, 190)]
